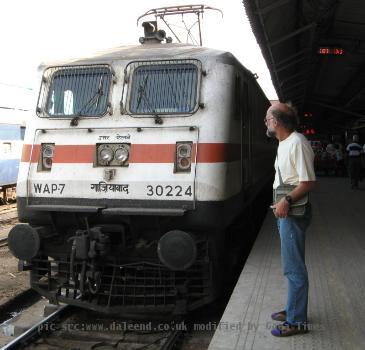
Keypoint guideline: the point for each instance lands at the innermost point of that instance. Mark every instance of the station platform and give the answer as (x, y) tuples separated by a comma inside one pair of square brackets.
[(335, 257)]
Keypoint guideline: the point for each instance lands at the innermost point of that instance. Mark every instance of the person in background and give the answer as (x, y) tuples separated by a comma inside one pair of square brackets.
[(354, 161), (295, 161), (331, 149), (340, 163), (329, 159)]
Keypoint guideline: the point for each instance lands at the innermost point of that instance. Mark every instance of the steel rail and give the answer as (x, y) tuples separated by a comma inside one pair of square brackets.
[(36, 330), (3, 242), (8, 215), (172, 340)]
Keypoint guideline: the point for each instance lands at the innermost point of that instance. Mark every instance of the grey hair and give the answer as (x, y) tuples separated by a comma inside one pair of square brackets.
[(288, 118)]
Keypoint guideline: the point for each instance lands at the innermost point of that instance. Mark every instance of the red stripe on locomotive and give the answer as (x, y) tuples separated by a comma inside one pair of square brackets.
[(140, 153)]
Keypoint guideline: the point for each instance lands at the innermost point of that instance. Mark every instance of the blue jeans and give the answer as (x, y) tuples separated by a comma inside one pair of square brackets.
[(292, 237)]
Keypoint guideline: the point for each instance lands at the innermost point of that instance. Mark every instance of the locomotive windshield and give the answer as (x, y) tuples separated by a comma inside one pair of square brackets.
[(79, 92), (164, 89)]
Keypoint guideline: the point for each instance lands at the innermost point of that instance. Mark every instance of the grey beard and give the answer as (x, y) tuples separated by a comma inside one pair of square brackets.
[(270, 133)]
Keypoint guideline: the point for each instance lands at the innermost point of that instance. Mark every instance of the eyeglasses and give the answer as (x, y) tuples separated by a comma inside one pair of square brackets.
[(266, 120)]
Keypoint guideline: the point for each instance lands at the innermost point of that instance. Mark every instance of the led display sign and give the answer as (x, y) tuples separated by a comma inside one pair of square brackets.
[(326, 50)]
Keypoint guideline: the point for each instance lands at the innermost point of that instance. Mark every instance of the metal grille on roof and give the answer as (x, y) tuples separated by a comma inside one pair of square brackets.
[(75, 91)]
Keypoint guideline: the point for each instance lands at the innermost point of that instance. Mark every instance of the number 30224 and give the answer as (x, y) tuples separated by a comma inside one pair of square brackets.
[(169, 191)]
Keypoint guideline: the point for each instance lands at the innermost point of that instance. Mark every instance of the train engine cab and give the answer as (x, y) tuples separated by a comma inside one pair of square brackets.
[(133, 168)]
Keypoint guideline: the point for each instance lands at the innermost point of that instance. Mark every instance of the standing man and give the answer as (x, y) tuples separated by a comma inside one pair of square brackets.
[(340, 164), (354, 161), (295, 160)]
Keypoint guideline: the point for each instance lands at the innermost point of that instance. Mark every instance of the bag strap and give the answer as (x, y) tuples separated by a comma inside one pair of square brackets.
[(281, 179), (279, 172)]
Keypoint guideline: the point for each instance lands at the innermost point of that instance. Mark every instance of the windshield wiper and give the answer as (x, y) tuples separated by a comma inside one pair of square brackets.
[(99, 93), (141, 90), (142, 94)]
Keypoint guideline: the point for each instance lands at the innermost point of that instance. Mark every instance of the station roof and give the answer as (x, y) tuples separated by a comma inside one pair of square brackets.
[(315, 51)]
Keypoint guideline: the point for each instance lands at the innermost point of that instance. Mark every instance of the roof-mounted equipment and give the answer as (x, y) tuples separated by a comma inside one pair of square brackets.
[(152, 35), (162, 12)]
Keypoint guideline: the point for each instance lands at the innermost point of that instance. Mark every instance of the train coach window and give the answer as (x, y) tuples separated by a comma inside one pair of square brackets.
[(76, 91), (6, 147), (169, 88), (22, 132)]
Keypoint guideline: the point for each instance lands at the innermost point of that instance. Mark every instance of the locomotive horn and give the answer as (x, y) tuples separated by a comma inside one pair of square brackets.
[(149, 27), (160, 35), (151, 33), (177, 250), (23, 242)]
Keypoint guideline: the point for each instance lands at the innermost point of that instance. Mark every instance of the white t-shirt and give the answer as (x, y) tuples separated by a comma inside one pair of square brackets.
[(295, 159), (354, 149)]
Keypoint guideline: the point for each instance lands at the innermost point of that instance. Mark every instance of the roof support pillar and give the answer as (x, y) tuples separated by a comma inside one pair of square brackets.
[(296, 96), (298, 99), (292, 63), (290, 87), (288, 59), (339, 109), (294, 76), (292, 34), (355, 96), (271, 7)]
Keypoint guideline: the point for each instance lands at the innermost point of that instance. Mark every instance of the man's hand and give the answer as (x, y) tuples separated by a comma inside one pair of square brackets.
[(281, 208)]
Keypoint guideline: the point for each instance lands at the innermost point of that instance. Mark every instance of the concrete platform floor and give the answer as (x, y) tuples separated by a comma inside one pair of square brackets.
[(335, 255)]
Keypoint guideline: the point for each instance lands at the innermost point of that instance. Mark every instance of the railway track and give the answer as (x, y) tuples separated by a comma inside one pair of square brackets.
[(33, 332), (3, 242), (7, 206), (7, 216), (71, 328), (64, 329)]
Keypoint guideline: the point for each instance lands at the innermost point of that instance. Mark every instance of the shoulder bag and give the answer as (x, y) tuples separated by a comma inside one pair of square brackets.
[(298, 207)]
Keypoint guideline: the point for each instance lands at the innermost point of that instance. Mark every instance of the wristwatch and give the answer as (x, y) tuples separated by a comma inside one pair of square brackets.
[(289, 199)]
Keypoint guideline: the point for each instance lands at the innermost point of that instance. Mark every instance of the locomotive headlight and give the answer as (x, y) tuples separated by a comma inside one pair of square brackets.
[(105, 154), (184, 150), (183, 156), (48, 151), (112, 154), (122, 154), (46, 158), (184, 163)]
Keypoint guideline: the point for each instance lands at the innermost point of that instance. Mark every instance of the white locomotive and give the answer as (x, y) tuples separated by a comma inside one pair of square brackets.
[(134, 166)]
